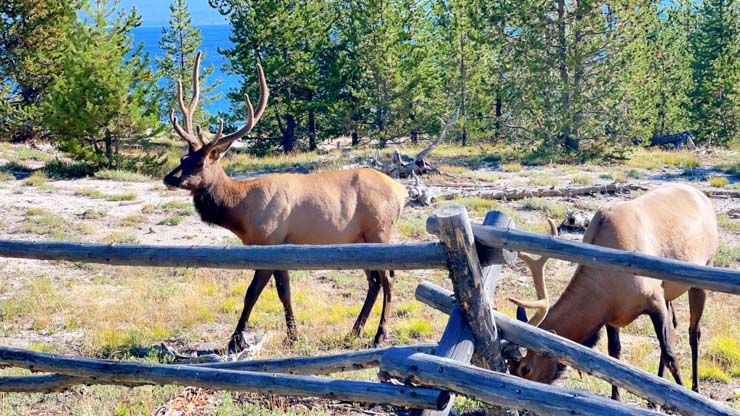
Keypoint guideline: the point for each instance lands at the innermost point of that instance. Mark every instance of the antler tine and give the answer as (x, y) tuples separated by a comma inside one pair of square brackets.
[(187, 132), (253, 117), (537, 268)]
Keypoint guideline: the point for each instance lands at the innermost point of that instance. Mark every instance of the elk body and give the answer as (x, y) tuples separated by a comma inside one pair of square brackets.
[(350, 206), (674, 221)]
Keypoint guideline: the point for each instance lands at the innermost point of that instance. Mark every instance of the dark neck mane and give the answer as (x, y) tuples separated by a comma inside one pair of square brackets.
[(211, 210), (215, 203)]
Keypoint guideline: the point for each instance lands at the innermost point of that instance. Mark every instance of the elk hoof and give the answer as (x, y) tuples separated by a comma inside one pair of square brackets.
[(237, 343)]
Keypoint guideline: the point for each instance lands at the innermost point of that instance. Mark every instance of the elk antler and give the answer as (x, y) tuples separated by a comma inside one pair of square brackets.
[(224, 142), (195, 137), (537, 268), (187, 132)]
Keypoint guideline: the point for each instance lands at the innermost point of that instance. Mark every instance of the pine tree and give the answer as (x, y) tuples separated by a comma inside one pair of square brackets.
[(180, 41), (104, 95), (32, 34), (715, 44)]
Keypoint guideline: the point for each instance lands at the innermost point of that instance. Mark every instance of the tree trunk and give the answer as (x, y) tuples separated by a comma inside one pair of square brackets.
[(289, 134), (464, 134), (109, 148), (311, 130), (355, 138), (499, 106)]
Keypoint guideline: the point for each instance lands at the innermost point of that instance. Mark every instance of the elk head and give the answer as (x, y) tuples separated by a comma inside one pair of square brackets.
[(200, 166), (535, 366)]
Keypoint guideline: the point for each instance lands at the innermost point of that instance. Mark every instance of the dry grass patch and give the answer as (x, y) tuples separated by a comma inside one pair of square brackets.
[(651, 159), (511, 167), (583, 179), (543, 180), (718, 181), (41, 222), (121, 176), (540, 204), (36, 179), (121, 237), (132, 220)]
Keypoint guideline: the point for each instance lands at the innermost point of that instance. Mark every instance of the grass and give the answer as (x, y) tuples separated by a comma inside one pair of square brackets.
[(95, 194), (543, 180), (583, 179), (728, 223), (724, 351), (540, 204), (718, 181), (132, 220), (6, 176), (511, 167), (121, 175), (171, 220), (636, 174), (727, 255), (652, 159), (41, 222), (35, 179), (476, 206), (414, 228), (121, 237), (713, 373), (25, 153)]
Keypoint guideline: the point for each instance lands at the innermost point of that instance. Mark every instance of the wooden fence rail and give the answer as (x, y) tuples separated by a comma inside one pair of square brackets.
[(500, 389), (713, 278), (128, 373), (411, 256), (320, 365), (635, 380)]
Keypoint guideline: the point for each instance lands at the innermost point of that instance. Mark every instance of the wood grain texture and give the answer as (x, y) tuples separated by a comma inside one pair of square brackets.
[(126, 373), (646, 385), (502, 389), (712, 278), (410, 256)]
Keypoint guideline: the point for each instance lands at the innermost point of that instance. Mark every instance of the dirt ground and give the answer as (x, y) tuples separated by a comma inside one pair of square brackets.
[(145, 216)]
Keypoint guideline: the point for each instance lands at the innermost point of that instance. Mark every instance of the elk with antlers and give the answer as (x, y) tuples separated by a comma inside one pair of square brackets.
[(349, 206), (674, 221)]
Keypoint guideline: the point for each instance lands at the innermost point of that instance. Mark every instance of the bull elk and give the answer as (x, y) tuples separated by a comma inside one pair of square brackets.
[(349, 206), (674, 221)]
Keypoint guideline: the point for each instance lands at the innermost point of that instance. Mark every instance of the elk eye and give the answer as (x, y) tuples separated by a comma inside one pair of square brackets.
[(526, 370)]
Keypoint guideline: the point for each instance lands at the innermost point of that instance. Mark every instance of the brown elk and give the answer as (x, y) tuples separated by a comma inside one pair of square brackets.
[(349, 206), (674, 221)]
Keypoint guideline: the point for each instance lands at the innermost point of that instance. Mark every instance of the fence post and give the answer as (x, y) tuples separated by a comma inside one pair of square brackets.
[(475, 284)]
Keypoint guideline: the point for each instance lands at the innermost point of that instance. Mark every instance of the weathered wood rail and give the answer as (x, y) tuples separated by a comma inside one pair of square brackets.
[(713, 278), (128, 373), (473, 254), (648, 386), (411, 256)]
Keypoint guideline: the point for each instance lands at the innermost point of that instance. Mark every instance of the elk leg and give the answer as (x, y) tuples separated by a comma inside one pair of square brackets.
[(373, 281), (615, 351), (697, 298), (664, 332), (261, 277), (282, 283), (672, 311), (387, 281)]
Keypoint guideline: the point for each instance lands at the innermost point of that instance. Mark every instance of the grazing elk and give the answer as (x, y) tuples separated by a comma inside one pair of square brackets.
[(349, 206), (674, 221)]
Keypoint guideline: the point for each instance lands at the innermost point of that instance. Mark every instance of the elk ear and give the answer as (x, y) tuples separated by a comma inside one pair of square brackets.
[(521, 314)]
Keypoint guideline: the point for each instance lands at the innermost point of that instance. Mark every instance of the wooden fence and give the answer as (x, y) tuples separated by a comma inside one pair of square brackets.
[(430, 374)]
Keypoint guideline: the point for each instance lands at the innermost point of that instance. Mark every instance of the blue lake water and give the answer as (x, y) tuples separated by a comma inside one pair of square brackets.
[(214, 37)]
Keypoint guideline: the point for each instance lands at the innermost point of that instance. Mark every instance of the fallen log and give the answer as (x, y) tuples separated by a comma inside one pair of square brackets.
[(551, 191)]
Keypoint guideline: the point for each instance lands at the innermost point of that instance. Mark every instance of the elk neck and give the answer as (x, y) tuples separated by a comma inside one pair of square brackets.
[(217, 201), (578, 314)]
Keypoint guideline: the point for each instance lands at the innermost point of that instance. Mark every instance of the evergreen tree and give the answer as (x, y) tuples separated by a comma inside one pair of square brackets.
[(180, 41), (104, 95), (715, 44), (30, 44)]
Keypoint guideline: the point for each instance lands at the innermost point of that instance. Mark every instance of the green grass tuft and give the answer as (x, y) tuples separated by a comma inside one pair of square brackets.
[(511, 167), (726, 255), (121, 175), (636, 174), (95, 194), (36, 179), (540, 204), (171, 220), (713, 373), (121, 237), (728, 223)]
